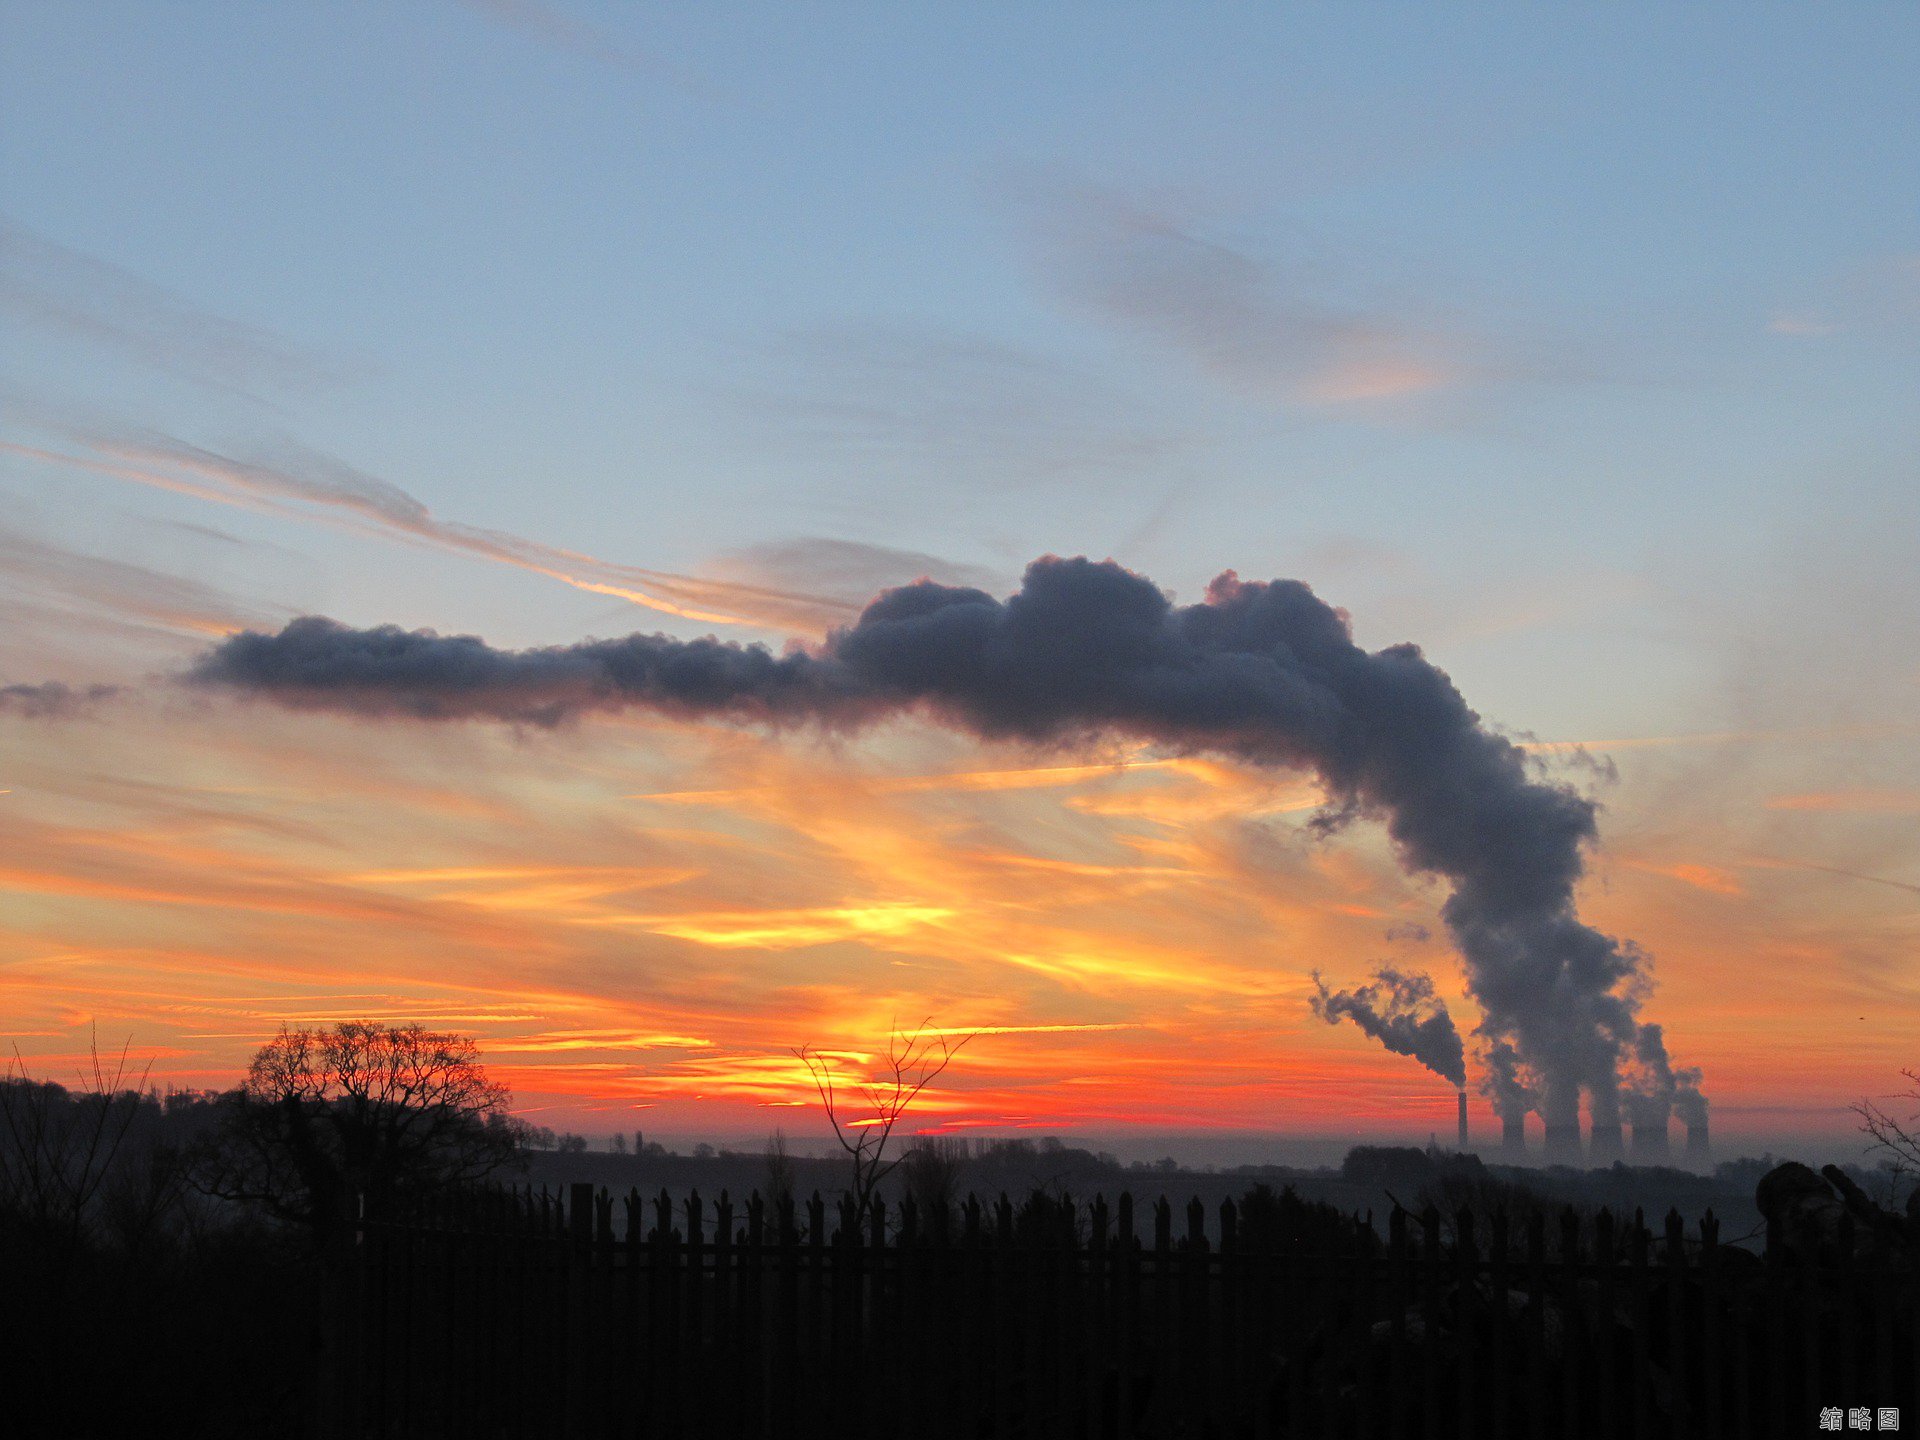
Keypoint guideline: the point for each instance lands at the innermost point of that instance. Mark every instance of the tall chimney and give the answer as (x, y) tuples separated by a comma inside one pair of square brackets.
[(1697, 1142), (1649, 1145), (1513, 1134), (1463, 1119), (1563, 1144), (1603, 1144)]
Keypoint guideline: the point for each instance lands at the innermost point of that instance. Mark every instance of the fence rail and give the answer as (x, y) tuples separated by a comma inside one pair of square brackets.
[(521, 1314)]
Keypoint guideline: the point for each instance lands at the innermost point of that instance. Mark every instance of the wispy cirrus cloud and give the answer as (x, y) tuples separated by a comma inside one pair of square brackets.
[(65, 291), (933, 407), (848, 572), (1269, 331), (50, 572), (1874, 295), (1775, 862), (1854, 801), (299, 483), (552, 26)]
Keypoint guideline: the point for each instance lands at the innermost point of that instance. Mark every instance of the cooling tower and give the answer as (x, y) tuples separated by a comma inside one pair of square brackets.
[(1649, 1145), (1697, 1141), (1513, 1134), (1563, 1144), (1604, 1144)]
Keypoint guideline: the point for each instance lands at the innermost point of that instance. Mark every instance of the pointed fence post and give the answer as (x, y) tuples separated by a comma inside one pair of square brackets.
[(694, 1382), (1639, 1384), (1399, 1297), (755, 1356), (1606, 1273), (816, 1356), (785, 1336), (1537, 1325), (876, 1326), (1573, 1317), (1430, 1309), (578, 1260), (1125, 1289), (1003, 1292), (1679, 1361), (727, 1310), (1466, 1262), (1196, 1337), (1501, 1350), (636, 1391), (1165, 1339)]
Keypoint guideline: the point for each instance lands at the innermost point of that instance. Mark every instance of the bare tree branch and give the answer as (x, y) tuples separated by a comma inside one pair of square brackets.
[(1898, 1137), (914, 1060)]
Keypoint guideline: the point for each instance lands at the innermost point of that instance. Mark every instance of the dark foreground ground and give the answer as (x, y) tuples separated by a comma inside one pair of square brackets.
[(163, 1314)]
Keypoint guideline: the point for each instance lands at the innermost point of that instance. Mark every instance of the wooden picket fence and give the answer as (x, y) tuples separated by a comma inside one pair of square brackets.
[(518, 1314)]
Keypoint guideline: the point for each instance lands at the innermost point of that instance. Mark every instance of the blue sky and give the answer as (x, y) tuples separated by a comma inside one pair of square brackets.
[(742, 274), (1580, 345)]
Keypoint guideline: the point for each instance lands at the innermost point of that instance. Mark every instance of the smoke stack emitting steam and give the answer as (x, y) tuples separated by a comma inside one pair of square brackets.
[(1513, 1133), (1698, 1148), (1264, 673), (1401, 1012)]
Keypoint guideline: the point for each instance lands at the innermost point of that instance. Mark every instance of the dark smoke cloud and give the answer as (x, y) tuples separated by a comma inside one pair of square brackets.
[(1501, 1081), (1650, 1099), (1263, 672), (1688, 1103), (53, 700), (1401, 1011), (1661, 1089)]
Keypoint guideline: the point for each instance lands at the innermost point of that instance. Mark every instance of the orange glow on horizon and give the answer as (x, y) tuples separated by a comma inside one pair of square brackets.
[(1128, 941)]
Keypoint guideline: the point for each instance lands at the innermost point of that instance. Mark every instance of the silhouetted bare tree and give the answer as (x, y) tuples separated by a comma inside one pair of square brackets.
[(779, 1168), (932, 1169), (381, 1110), (1897, 1136), (914, 1060), (58, 1151)]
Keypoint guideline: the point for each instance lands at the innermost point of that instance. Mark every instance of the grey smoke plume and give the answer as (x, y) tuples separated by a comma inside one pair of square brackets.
[(1650, 1098), (1688, 1102), (1401, 1011), (1501, 1081), (1661, 1088), (1266, 673)]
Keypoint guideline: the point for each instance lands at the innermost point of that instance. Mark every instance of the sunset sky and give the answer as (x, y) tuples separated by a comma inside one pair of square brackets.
[(1579, 347)]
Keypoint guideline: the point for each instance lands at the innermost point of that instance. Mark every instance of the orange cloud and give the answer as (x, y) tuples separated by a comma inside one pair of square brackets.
[(1890, 802), (783, 929), (1702, 877), (1130, 941), (1383, 378)]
